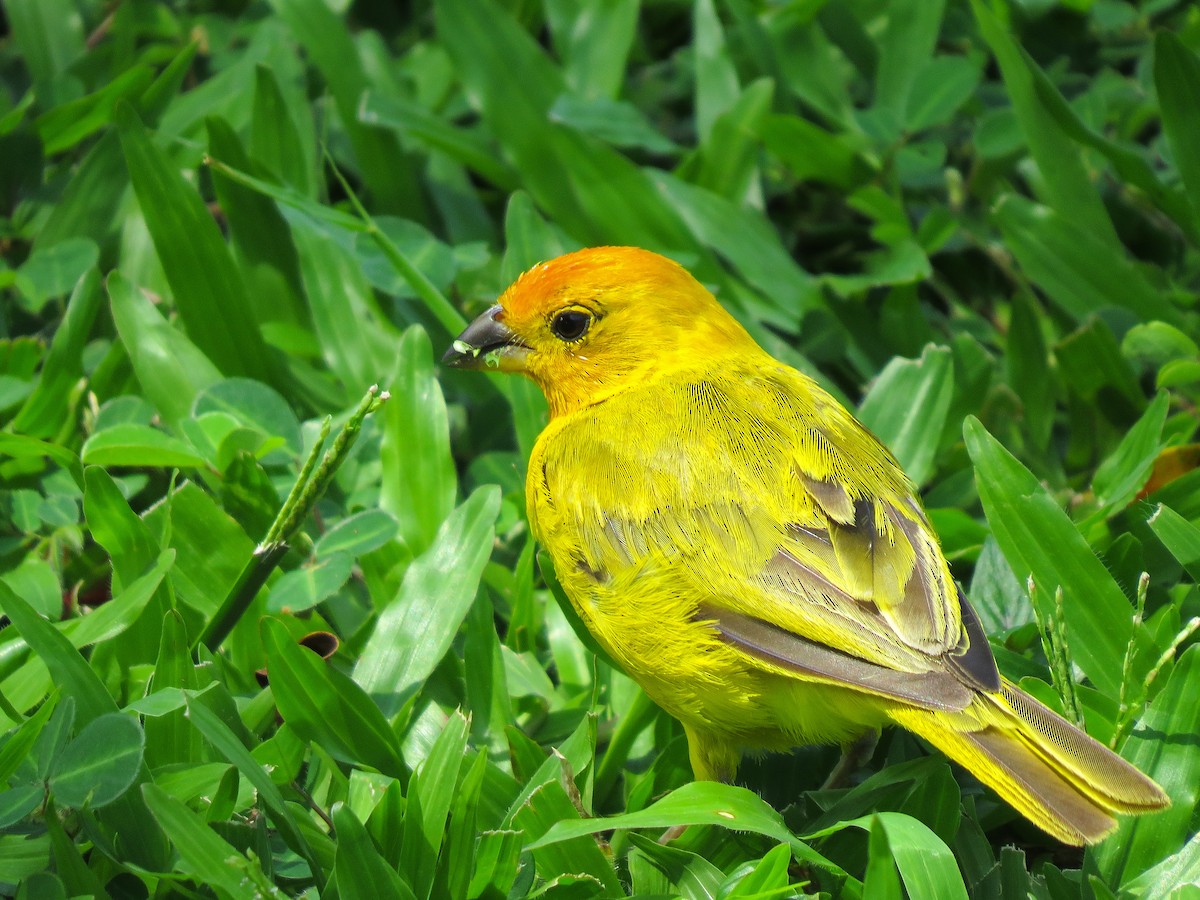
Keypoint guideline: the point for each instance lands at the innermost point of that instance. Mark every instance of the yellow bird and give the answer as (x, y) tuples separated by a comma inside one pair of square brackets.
[(753, 556)]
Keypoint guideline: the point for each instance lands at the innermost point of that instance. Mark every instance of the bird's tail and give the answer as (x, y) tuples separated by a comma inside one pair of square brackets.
[(1062, 780)]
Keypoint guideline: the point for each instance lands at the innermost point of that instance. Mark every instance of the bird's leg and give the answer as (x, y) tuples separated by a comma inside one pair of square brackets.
[(671, 834), (855, 755), (712, 759)]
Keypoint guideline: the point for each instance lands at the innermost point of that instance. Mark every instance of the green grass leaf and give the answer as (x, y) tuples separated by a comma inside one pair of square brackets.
[(547, 807), (416, 629), (254, 405), (1180, 870), (1177, 80), (1065, 181), (716, 77), (265, 251), (171, 370), (1037, 538), (942, 85), (810, 152), (19, 741), (357, 346), (230, 746), (88, 207), (18, 801), (115, 616), (69, 669), (881, 879), (1144, 841), (598, 195), (121, 532), (1123, 474), (303, 588), (770, 877), (1179, 536), (925, 863), (19, 446), (905, 45), (595, 41), (67, 124), (358, 534), (211, 548), (727, 163), (1028, 370), (1091, 365), (138, 445), (50, 38), (170, 740), (412, 120), (419, 481), (430, 796), (1128, 163), (906, 407), (100, 764), (330, 45), (22, 855), (749, 244), (361, 871), (277, 141), (210, 293), (54, 271), (209, 858), (705, 803), (325, 706), (614, 122), (47, 409), (676, 870), (1075, 268), (79, 682)]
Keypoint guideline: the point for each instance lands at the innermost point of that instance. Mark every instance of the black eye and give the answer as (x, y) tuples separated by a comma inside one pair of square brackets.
[(570, 324)]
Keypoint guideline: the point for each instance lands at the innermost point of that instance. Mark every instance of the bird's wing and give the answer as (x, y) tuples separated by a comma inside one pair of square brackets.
[(793, 527)]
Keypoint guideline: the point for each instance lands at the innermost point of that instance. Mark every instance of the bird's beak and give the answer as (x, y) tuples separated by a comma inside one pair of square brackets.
[(487, 343)]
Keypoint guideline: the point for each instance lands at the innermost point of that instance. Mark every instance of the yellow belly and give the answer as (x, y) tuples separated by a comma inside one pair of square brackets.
[(714, 689)]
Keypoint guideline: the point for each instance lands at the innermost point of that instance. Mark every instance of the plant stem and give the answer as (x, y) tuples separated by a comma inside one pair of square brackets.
[(310, 484)]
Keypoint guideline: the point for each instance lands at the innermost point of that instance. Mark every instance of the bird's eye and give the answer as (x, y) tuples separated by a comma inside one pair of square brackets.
[(570, 324)]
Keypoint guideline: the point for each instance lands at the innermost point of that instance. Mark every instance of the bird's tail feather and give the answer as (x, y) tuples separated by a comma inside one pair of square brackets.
[(1058, 777)]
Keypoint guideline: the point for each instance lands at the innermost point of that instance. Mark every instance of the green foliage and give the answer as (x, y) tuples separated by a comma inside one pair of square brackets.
[(221, 223)]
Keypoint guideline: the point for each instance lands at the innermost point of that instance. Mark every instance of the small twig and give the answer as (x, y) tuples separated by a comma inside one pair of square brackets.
[(315, 807), (442, 309), (100, 32)]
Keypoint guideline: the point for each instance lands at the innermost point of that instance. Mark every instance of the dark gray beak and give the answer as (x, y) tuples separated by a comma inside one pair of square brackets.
[(487, 343)]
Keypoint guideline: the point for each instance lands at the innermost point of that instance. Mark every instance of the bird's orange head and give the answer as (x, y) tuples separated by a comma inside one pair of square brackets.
[(587, 324)]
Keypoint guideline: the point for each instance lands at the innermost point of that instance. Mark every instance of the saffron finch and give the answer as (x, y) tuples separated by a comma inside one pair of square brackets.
[(753, 556)]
